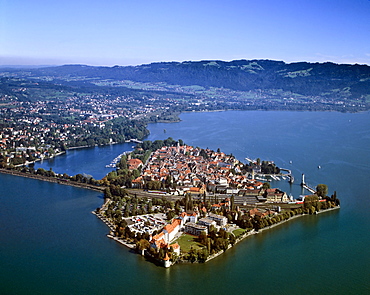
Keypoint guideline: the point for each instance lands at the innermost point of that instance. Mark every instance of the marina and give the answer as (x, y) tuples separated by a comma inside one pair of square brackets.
[(116, 160)]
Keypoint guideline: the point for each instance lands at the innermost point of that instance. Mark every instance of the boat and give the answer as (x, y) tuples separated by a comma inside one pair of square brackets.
[(115, 161), (261, 178), (274, 177)]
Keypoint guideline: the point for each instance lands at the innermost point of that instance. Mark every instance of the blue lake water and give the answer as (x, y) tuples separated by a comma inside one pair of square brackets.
[(50, 243)]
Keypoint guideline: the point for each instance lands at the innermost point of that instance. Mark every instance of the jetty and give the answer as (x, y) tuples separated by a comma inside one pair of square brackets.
[(305, 185), (250, 160), (136, 140), (289, 174)]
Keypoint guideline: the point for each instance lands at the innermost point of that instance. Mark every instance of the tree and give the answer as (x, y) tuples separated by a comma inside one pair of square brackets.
[(118, 214), (168, 181), (127, 210), (266, 185), (41, 171), (150, 205), (193, 255), (170, 214), (202, 255), (107, 194), (222, 244), (188, 202), (232, 239), (223, 233), (112, 175), (123, 162), (232, 202), (142, 245), (203, 239), (161, 253), (311, 201), (321, 190)]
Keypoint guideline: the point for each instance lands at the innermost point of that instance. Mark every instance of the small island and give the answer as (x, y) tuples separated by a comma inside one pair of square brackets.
[(175, 203)]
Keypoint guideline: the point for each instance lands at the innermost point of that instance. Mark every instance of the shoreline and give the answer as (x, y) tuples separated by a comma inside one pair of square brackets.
[(210, 257), (296, 216), (40, 160), (253, 232), (119, 240), (51, 179)]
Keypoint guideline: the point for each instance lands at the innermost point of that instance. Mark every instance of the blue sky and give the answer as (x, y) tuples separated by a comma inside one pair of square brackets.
[(131, 32)]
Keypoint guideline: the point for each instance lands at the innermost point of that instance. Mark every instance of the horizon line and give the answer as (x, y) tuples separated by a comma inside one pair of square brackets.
[(20, 66)]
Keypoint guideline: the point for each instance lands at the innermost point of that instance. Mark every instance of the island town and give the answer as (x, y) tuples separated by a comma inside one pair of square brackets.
[(190, 204), (172, 202)]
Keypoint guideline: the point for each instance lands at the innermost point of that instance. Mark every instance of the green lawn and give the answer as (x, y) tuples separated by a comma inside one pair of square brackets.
[(238, 232), (187, 241)]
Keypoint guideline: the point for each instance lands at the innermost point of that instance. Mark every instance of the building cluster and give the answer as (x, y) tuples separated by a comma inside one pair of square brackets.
[(20, 142), (188, 167), (55, 122), (189, 223), (145, 223), (197, 171)]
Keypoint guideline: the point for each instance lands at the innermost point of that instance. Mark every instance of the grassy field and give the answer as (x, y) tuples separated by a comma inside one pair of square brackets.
[(187, 242), (238, 232)]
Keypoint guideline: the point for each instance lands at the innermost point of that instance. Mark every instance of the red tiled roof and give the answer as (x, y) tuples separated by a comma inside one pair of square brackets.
[(175, 246), (170, 227)]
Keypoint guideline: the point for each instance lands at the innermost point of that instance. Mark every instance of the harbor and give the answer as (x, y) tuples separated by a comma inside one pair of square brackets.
[(116, 160)]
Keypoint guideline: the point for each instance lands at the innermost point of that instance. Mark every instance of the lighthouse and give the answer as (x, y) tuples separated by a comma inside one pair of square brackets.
[(302, 182)]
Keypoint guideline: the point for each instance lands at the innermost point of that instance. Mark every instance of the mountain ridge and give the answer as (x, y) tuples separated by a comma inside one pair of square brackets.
[(242, 75), (240, 82)]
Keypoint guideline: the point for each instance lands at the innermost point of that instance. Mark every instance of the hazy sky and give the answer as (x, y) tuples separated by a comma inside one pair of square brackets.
[(131, 32)]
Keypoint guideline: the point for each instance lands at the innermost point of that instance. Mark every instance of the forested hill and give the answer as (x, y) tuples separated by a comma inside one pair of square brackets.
[(308, 79)]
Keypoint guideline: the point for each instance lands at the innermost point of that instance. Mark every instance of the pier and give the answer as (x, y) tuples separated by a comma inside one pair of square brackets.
[(310, 189), (306, 187), (288, 174), (250, 160)]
